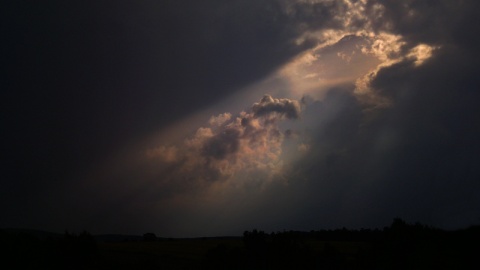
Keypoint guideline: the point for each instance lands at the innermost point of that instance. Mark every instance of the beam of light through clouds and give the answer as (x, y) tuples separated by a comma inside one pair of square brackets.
[(252, 155), (323, 114), (240, 168)]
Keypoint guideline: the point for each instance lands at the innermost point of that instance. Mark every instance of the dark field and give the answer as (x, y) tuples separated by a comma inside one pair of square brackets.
[(201, 253), (162, 254), (400, 246)]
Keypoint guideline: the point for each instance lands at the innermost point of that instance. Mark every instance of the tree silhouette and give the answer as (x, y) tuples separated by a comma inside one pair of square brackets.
[(149, 237)]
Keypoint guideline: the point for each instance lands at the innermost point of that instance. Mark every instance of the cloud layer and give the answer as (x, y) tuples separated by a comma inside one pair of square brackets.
[(387, 124), (231, 148)]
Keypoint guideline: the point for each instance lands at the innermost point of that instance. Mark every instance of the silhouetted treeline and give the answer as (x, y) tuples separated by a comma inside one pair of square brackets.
[(399, 246)]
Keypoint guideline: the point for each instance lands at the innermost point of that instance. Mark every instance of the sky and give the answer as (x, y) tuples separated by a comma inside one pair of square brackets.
[(208, 118)]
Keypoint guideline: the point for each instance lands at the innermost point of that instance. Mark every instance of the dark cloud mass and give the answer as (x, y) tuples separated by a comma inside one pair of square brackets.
[(416, 157), (82, 82), (284, 107), (222, 144)]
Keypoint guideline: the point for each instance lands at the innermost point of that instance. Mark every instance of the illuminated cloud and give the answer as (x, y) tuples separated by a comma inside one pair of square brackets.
[(420, 53), (220, 119), (364, 33), (386, 47), (229, 147)]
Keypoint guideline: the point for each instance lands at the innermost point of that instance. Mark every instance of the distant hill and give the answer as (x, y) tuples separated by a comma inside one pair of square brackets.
[(43, 235)]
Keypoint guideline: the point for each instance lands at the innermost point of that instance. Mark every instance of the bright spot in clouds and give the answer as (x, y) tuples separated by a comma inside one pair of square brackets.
[(421, 53)]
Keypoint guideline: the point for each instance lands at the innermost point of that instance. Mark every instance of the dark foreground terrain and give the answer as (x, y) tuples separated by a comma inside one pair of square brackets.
[(399, 246)]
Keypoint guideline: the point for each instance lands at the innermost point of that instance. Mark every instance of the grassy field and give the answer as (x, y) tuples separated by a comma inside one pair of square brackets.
[(191, 253), (164, 254)]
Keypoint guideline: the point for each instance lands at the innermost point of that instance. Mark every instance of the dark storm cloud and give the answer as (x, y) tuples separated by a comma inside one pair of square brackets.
[(222, 144), (420, 21), (415, 158), (82, 80), (433, 122), (283, 107)]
